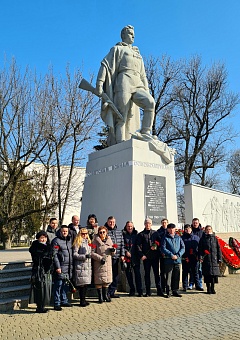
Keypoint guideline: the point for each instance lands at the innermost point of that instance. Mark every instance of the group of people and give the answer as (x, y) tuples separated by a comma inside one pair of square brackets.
[(75, 256)]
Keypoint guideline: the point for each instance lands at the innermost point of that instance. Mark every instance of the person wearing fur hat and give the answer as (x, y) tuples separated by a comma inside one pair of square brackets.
[(41, 279)]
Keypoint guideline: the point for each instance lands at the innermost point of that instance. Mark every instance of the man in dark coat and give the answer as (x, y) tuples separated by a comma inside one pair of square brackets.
[(148, 243), (131, 258), (190, 258), (198, 231), (117, 240), (52, 229), (161, 233), (74, 227), (62, 247)]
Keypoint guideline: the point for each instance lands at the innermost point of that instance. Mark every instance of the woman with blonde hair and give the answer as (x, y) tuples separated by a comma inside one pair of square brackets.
[(82, 264), (102, 252)]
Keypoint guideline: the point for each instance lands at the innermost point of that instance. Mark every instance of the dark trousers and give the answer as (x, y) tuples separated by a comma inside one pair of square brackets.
[(162, 274), (147, 264), (191, 268), (196, 274), (113, 286), (172, 271), (138, 280)]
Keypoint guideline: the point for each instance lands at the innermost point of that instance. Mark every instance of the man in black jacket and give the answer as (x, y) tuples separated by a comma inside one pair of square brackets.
[(117, 240), (74, 227), (52, 229), (198, 231), (62, 249), (161, 233), (148, 243)]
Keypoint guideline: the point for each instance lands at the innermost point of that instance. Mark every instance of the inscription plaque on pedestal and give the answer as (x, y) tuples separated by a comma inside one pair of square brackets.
[(155, 198)]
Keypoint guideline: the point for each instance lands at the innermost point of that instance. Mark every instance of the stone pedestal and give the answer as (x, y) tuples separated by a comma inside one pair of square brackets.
[(130, 182)]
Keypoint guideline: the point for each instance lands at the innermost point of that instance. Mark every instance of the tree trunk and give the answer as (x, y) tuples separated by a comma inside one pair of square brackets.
[(7, 244)]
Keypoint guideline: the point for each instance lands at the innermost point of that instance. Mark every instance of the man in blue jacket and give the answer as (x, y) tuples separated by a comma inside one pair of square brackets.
[(173, 248)]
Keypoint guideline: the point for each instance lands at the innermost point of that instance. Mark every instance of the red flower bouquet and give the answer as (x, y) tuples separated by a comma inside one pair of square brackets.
[(93, 246), (71, 286), (155, 245)]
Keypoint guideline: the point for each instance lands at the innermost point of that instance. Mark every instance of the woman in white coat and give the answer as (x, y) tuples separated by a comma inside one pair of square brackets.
[(82, 264)]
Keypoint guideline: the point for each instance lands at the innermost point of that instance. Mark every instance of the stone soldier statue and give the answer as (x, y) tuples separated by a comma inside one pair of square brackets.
[(122, 84), (122, 77)]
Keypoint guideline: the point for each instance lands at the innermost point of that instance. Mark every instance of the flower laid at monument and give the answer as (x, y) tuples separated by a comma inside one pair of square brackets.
[(229, 256), (235, 245)]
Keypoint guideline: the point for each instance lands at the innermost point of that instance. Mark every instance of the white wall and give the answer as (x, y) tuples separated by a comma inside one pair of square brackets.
[(219, 209)]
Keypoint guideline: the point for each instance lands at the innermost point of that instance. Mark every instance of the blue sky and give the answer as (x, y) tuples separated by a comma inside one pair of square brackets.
[(56, 32), (40, 33)]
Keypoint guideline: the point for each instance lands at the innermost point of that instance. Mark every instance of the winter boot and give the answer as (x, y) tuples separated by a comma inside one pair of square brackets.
[(208, 288), (82, 295), (212, 288), (106, 297), (100, 298)]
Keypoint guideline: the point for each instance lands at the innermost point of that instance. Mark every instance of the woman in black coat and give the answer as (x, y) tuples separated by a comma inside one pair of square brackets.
[(41, 280), (210, 255)]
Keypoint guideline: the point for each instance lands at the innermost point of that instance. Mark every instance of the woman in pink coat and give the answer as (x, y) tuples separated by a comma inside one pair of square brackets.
[(102, 255)]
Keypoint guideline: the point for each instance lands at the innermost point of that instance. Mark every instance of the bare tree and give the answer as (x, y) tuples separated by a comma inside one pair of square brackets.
[(196, 122), (71, 120), (233, 167), (162, 74), (44, 121)]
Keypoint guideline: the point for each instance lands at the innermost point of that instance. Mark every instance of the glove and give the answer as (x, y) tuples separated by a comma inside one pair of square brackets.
[(88, 256), (103, 261)]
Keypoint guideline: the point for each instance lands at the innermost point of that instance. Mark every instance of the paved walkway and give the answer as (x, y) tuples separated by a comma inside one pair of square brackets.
[(194, 316), (15, 254)]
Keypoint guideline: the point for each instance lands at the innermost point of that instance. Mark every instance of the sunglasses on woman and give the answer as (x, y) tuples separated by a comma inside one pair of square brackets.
[(102, 232)]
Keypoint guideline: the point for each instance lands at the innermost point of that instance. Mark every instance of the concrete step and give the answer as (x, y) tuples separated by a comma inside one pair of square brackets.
[(14, 281), (15, 272), (13, 303), (16, 264), (14, 291)]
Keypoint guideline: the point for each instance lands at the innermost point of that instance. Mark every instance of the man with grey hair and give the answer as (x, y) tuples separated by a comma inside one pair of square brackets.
[(123, 78), (148, 243)]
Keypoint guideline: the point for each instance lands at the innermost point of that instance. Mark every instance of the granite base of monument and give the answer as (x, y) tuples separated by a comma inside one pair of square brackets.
[(131, 182)]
